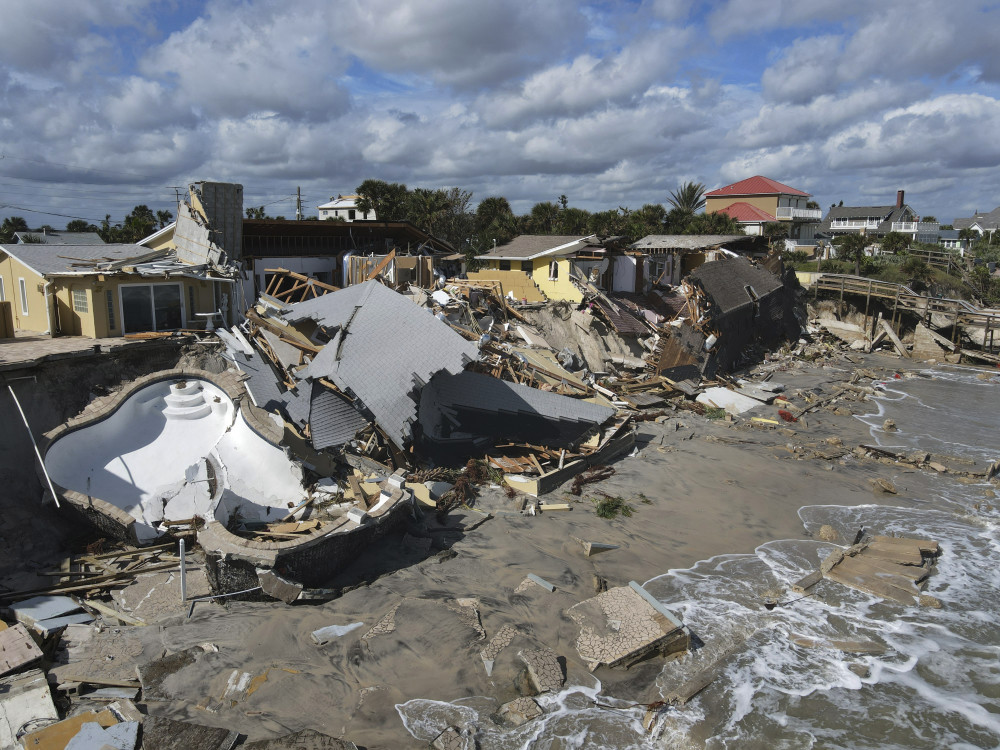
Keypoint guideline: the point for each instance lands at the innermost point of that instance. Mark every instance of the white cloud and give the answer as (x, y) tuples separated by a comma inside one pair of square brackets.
[(456, 42), (241, 60)]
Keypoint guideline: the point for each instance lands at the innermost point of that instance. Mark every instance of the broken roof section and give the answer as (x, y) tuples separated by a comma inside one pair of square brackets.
[(209, 227), (471, 404), (382, 350)]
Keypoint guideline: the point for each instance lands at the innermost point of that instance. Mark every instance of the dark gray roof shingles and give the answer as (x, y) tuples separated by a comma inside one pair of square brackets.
[(387, 349)]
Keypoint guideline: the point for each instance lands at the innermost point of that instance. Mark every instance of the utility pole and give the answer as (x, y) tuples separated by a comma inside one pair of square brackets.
[(298, 204)]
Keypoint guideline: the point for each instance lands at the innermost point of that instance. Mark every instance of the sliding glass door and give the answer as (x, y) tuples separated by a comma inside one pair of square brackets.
[(151, 307)]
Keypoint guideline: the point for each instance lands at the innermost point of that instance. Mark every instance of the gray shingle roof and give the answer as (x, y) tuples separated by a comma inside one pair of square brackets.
[(530, 245), (687, 241), (725, 281), (988, 220), (484, 405), (62, 238), (61, 260), (333, 421), (385, 350)]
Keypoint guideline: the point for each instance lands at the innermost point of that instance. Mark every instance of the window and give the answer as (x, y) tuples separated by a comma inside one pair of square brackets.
[(24, 296), (150, 307), (80, 301), (325, 213), (111, 309), (350, 214), (190, 300), (505, 265), (554, 271)]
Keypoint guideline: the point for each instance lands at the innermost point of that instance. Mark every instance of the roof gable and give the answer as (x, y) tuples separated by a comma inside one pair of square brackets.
[(74, 260), (745, 212), (528, 246), (756, 185)]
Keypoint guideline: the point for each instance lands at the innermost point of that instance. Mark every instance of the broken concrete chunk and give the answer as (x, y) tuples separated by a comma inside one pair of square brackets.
[(593, 548), (827, 533), (25, 700), (277, 587), (544, 670), (520, 711), (306, 739), (160, 733), (17, 649), (883, 486), (357, 515), (454, 738)]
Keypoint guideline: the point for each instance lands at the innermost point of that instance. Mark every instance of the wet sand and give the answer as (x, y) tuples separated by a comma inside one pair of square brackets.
[(698, 488)]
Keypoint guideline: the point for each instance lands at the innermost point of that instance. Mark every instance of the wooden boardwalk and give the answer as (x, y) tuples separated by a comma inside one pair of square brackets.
[(957, 313)]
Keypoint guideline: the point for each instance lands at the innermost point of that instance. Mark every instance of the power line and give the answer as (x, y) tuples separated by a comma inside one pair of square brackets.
[(48, 213)]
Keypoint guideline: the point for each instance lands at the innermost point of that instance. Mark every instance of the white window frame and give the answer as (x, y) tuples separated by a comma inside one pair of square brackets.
[(23, 289), (121, 306), (85, 308)]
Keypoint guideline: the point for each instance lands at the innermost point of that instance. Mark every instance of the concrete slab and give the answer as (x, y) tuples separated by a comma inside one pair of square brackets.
[(25, 700), (159, 733), (92, 736), (544, 670), (17, 649), (621, 625), (307, 739)]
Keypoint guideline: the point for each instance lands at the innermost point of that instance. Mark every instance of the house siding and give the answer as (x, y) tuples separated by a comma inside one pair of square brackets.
[(12, 271), (767, 203), (561, 288)]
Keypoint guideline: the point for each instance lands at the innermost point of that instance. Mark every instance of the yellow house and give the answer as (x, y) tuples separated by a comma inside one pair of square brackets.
[(104, 290), (541, 262)]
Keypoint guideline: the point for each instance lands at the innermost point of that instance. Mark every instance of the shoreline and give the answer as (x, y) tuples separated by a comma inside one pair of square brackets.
[(713, 488)]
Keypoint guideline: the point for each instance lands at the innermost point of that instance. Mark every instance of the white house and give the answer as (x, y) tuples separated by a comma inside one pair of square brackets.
[(345, 208)]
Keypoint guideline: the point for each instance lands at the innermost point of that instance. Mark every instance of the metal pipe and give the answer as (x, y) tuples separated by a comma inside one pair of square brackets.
[(38, 453), (183, 572)]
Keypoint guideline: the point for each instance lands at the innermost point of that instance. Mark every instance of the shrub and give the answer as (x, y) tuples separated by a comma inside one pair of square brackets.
[(612, 507)]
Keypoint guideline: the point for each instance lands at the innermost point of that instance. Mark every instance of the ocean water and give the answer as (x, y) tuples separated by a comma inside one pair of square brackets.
[(932, 679)]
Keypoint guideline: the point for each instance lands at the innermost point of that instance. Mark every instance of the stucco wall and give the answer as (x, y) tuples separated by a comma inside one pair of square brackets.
[(767, 203), (561, 287), (12, 270)]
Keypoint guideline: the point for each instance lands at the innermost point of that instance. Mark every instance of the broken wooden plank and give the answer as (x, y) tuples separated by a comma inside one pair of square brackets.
[(894, 338)]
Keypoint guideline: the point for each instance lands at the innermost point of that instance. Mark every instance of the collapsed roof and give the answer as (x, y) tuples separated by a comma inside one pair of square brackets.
[(382, 350)]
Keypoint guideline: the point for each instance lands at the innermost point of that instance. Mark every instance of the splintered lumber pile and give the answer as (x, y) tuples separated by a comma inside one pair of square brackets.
[(894, 568), (91, 574)]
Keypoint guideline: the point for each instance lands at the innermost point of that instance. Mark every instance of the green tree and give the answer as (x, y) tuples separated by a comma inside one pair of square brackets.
[(689, 197), (776, 233), (851, 247), (713, 223), (425, 209), (968, 234), (11, 225), (895, 243), (929, 218), (917, 271), (544, 218), (80, 225), (490, 210), (256, 212), (389, 200), (164, 217), (573, 221)]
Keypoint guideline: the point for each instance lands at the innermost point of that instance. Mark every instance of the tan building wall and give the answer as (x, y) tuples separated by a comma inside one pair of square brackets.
[(33, 300), (95, 310), (558, 287), (767, 203)]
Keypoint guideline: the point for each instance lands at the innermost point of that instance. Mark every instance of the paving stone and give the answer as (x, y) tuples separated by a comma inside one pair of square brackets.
[(520, 710), (544, 669)]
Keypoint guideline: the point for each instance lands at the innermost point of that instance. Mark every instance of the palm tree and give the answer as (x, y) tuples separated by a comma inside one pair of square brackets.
[(164, 218), (689, 197)]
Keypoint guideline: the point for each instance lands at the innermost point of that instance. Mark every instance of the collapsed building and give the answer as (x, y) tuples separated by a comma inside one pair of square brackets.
[(340, 403)]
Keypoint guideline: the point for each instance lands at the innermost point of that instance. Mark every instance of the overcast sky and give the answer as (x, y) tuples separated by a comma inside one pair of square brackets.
[(110, 103)]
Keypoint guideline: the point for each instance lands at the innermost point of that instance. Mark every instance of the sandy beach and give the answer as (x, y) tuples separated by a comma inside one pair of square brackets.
[(697, 488)]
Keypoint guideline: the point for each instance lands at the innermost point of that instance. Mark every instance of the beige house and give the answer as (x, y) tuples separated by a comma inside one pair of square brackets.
[(104, 290)]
